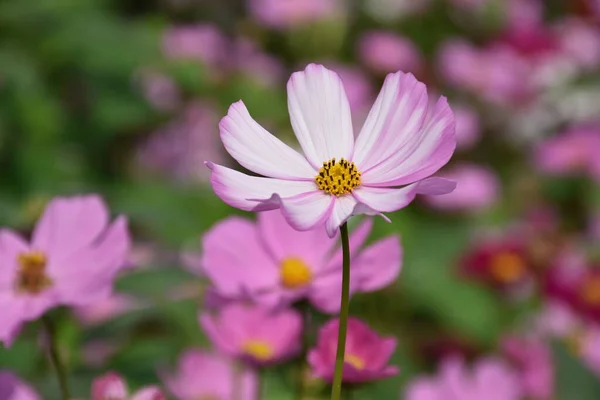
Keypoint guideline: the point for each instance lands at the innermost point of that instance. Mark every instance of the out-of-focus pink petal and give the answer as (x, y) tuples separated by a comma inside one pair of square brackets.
[(320, 114), (11, 321), (343, 208), (385, 52), (423, 389), (69, 224), (109, 386), (378, 265), (258, 150), (148, 393), (393, 122), (421, 155), (253, 193), (12, 388)]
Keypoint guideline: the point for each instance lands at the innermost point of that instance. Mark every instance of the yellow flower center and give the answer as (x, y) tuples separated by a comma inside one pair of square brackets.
[(507, 267), (590, 291), (354, 360), (295, 273), (258, 349), (338, 177), (31, 275)]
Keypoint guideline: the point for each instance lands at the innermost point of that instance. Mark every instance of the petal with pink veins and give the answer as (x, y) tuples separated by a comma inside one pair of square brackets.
[(320, 114), (258, 150)]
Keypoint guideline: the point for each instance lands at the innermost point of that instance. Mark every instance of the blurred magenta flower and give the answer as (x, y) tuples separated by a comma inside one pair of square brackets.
[(366, 358), (384, 52), (290, 13), (180, 147), (12, 388), (572, 151), (72, 259), (477, 188), (274, 265), (106, 309), (532, 360), (112, 386), (502, 262), (204, 43), (489, 379), (253, 333), (403, 142), (206, 375), (468, 128)]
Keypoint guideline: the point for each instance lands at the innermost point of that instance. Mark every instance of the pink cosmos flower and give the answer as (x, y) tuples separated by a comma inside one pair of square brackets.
[(72, 259), (289, 13), (533, 360), (590, 350), (570, 152), (489, 379), (204, 43), (254, 333), (205, 375), (274, 265), (106, 309), (112, 386), (477, 188), (384, 52), (467, 126), (12, 388), (367, 353), (402, 142)]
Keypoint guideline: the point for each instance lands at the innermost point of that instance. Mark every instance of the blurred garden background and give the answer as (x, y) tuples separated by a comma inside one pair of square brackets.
[(123, 98)]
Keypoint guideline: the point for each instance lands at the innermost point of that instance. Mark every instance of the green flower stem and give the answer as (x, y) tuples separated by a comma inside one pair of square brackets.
[(59, 367), (336, 390)]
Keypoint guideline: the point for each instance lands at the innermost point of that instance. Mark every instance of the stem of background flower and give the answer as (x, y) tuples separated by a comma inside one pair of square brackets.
[(336, 390), (304, 307), (59, 367)]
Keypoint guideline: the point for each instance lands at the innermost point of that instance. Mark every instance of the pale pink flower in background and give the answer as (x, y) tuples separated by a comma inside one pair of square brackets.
[(274, 265), (477, 189), (290, 13), (204, 43), (180, 148), (384, 52), (358, 88), (532, 359), (403, 142), (206, 375), (590, 349), (159, 90), (572, 151), (254, 333), (367, 354), (106, 309), (556, 320), (73, 258), (12, 388), (489, 379), (112, 386), (523, 13), (468, 128), (247, 58), (580, 42)]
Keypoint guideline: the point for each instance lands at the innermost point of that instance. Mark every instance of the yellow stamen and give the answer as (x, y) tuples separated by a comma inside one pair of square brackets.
[(338, 177), (507, 267), (260, 350), (31, 275), (590, 291), (295, 273), (356, 361)]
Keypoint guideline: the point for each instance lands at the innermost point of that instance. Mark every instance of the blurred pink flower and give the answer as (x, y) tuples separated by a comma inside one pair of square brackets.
[(477, 188), (580, 42), (73, 258), (253, 333), (357, 86), (247, 58), (532, 359), (180, 148), (572, 151), (112, 386), (289, 13), (106, 309), (489, 379), (524, 13), (403, 142), (12, 388), (384, 52), (590, 349), (468, 128), (496, 73), (557, 320), (203, 43), (273, 264), (159, 90), (367, 353), (206, 375)]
